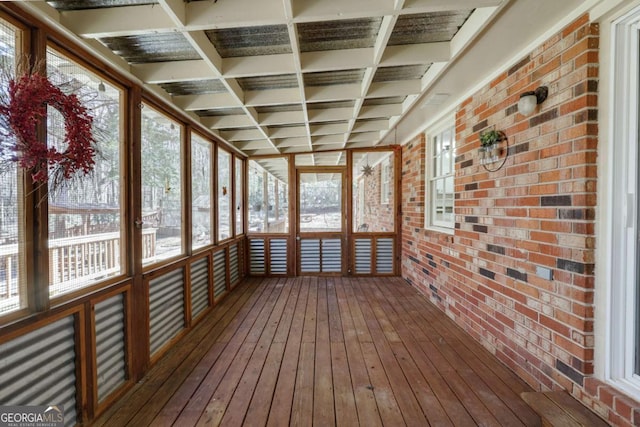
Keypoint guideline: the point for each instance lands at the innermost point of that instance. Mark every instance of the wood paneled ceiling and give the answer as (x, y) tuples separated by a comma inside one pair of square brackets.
[(274, 76)]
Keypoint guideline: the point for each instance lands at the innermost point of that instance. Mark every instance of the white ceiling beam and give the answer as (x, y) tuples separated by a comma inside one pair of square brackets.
[(242, 135), (207, 51), (273, 164), (117, 21), (372, 125), (384, 33), (295, 150), (173, 71), (288, 132), (253, 115), (272, 97), (236, 13), (176, 9), (333, 93), (329, 115), (443, 5), (42, 9), (293, 142), (254, 145), (420, 53), (267, 64), (397, 88), (281, 117), (368, 137), (327, 147), (292, 30), (235, 89), (221, 122), (365, 143), (331, 9), (207, 102), (336, 59), (329, 129), (380, 111), (328, 139)]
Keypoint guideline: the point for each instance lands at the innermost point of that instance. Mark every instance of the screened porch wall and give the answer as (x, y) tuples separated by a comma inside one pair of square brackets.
[(100, 296)]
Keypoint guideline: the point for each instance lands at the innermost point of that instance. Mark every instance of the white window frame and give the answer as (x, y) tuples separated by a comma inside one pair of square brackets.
[(431, 135), (385, 181), (621, 223)]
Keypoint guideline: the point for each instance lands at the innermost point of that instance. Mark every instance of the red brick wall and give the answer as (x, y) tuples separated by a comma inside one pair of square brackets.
[(534, 216), (377, 215)]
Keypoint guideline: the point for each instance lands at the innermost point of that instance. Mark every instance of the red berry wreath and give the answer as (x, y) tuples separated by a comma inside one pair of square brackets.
[(29, 96)]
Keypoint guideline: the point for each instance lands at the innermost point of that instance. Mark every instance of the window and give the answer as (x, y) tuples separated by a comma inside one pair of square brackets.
[(12, 285), (623, 317), (439, 198), (201, 189), (224, 194), (239, 188), (372, 192), (161, 186), (85, 230), (268, 196)]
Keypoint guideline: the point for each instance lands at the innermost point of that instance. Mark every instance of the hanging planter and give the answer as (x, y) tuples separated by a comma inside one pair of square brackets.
[(489, 151)]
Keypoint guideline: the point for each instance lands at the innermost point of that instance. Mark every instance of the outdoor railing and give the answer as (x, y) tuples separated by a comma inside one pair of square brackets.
[(74, 262)]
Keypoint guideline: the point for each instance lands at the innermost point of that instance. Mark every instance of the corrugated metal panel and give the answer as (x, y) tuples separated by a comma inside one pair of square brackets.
[(342, 34), (332, 104), (310, 255), (278, 256), (39, 368), (234, 264), (324, 125), (166, 308), (363, 256), (404, 72), (219, 273), (427, 27), (220, 112), (383, 101), (110, 345), (331, 255), (156, 47), (262, 109), (197, 87), (241, 259), (326, 78), (199, 286), (95, 4), (268, 82), (256, 256), (384, 255), (250, 41)]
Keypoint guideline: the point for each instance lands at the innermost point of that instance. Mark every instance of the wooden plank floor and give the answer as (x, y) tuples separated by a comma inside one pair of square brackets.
[(324, 352)]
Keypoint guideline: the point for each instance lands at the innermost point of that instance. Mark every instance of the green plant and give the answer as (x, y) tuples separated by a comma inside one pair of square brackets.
[(490, 137)]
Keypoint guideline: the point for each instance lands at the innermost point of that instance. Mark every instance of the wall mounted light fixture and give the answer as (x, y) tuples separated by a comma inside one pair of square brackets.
[(529, 100)]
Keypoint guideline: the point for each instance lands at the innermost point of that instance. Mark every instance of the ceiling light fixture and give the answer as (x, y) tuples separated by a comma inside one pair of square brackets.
[(529, 100)]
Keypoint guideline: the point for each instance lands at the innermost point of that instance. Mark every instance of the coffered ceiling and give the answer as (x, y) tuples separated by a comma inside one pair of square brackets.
[(309, 76), (281, 76)]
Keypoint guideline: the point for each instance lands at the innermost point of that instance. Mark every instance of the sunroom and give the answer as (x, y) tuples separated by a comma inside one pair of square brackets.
[(361, 212)]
